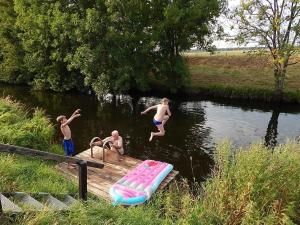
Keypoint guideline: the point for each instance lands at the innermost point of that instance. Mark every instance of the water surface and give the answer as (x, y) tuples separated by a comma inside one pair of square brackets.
[(193, 130)]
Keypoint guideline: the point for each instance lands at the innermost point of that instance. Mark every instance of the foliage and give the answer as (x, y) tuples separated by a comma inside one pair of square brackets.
[(180, 25), (11, 53), (274, 25), (109, 46), (20, 128), (47, 35)]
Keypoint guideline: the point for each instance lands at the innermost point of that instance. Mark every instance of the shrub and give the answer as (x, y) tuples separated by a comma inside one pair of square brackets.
[(19, 127)]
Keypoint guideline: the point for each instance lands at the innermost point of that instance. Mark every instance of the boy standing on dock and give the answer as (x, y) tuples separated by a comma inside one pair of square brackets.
[(160, 117), (66, 131)]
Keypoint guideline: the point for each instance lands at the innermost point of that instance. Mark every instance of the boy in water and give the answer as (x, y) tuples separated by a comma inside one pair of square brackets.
[(160, 117), (66, 131)]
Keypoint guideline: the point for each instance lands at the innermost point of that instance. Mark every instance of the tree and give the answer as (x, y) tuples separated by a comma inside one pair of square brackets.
[(47, 32), (107, 45), (11, 52), (179, 25), (124, 43), (274, 25)]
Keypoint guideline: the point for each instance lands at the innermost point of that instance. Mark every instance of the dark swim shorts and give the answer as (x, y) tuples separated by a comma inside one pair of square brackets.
[(68, 147), (156, 122)]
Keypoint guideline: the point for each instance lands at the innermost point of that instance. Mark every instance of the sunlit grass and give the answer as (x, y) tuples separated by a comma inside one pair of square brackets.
[(28, 128), (229, 73)]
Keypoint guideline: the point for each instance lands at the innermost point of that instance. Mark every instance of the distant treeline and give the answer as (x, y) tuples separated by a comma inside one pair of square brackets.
[(104, 45), (229, 49)]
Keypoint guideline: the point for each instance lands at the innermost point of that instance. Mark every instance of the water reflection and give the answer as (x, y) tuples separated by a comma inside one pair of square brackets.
[(272, 132), (192, 132)]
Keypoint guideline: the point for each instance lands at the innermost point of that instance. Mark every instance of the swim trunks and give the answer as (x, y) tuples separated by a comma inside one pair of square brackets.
[(68, 147), (156, 122)]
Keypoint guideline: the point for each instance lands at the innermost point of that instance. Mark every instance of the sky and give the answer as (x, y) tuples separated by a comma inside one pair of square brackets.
[(226, 26)]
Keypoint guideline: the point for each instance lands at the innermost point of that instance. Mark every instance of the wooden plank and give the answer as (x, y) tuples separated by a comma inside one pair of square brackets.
[(100, 180), (46, 155)]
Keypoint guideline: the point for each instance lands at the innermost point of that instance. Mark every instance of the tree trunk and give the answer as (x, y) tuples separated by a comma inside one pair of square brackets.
[(279, 81)]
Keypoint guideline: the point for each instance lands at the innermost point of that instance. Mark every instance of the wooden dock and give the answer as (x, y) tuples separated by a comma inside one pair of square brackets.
[(100, 180)]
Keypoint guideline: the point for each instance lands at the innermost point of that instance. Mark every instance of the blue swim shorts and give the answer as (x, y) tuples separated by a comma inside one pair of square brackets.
[(68, 147), (155, 122)]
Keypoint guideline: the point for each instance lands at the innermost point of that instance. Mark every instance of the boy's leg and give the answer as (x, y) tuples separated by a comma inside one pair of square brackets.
[(69, 150), (166, 117), (160, 133), (119, 155)]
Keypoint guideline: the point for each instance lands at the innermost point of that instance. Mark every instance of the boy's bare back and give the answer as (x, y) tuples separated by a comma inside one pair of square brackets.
[(66, 131), (162, 110)]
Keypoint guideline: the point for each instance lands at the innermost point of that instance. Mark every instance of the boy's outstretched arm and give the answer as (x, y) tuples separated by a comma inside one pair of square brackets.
[(150, 108), (70, 119), (76, 112)]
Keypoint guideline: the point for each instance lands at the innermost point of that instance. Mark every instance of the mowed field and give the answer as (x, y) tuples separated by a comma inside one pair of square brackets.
[(238, 69)]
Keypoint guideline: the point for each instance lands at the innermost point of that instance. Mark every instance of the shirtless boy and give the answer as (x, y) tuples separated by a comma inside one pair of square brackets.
[(115, 142), (160, 117), (66, 131)]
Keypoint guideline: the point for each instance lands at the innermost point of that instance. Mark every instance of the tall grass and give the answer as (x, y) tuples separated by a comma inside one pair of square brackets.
[(252, 186), (22, 127)]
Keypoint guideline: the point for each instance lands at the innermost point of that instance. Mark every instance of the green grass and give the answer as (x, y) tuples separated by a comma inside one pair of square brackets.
[(28, 128), (239, 74), (31, 175)]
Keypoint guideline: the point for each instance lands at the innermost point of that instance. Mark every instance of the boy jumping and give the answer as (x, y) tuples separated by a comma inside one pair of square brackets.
[(66, 131), (160, 117)]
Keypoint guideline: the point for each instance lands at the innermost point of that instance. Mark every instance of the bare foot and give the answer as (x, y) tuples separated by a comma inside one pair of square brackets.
[(71, 166), (151, 136)]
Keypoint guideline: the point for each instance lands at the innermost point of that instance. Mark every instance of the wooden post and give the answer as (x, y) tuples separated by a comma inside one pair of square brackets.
[(82, 180)]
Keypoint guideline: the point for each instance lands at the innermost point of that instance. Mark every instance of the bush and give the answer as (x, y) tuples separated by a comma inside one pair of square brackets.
[(19, 127)]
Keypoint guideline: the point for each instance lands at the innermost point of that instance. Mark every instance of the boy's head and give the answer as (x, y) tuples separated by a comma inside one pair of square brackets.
[(115, 134), (61, 119), (165, 101)]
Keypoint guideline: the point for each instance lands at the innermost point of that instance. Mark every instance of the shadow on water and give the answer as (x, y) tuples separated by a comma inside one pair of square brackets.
[(195, 127)]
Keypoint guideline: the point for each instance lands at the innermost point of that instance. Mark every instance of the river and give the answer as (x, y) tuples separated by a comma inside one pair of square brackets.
[(196, 125)]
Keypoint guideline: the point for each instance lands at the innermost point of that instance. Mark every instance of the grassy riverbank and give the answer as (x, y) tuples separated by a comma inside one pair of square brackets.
[(28, 128), (248, 186), (239, 75)]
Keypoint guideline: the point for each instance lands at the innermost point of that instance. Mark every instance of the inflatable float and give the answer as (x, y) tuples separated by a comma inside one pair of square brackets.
[(138, 185)]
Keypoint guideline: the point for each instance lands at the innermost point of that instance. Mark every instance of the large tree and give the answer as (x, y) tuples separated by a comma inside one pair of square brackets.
[(108, 45), (126, 42), (47, 31), (275, 25), (11, 52)]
